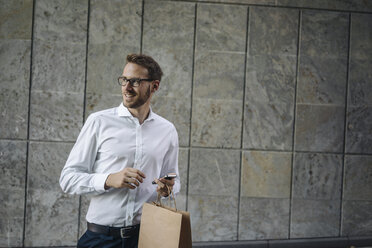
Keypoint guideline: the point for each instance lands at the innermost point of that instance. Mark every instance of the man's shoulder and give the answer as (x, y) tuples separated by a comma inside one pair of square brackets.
[(103, 113), (162, 121)]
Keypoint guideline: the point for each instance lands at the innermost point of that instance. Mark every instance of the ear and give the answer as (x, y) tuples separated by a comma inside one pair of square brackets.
[(155, 86)]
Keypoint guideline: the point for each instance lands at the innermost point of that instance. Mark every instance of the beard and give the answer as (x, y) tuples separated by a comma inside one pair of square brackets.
[(139, 101)]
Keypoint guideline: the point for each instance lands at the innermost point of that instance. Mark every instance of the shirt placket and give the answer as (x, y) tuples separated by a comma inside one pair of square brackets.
[(137, 163)]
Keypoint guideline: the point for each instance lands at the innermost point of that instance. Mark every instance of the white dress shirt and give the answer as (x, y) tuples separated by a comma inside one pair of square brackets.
[(110, 141)]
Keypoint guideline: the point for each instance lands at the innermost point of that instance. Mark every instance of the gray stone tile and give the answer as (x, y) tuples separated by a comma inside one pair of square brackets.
[(263, 218), (317, 176), (319, 128), (114, 32), (213, 218), (358, 178), (105, 65), (273, 31), (116, 22), (315, 218), (358, 130), (183, 167), (12, 192), (176, 110), (61, 21), (268, 125), (12, 216), (46, 161), (266, 174), (215, 71), (360, 78), (269, 97), (16, 19), (216, 123), (96, 102), (13, 164), (14, 113), (361, 36), (214, 172), (15, 64), (322, 80), (271, 78), (221, 27), (47, 207), (57, 116), (356, 218), (51, 219), (324, 34), (269, 2), (58, 66)]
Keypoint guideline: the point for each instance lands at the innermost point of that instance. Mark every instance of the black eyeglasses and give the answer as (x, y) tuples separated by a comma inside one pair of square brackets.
[(134, 82)]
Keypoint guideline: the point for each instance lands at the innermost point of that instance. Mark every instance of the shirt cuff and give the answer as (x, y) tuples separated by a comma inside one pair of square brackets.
[(99, 181)]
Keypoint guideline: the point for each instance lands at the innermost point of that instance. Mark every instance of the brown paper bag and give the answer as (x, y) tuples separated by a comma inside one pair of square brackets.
[(164, 227)]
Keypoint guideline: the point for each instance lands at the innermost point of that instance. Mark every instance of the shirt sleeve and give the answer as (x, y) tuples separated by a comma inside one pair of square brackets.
[(170, 162), (77, 176)]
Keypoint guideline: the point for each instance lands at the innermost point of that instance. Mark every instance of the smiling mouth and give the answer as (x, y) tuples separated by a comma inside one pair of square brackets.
[(128, 95)]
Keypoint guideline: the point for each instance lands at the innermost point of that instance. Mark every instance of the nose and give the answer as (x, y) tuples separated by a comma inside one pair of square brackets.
[(127, 87)]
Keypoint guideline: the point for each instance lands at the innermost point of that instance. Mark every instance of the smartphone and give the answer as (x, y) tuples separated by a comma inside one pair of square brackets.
[(168, 177)]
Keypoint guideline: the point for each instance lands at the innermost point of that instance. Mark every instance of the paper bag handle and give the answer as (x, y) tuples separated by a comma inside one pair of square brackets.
[(169, 192)]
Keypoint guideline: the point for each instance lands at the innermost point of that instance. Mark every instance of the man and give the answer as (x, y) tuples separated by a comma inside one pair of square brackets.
[(118, 153)]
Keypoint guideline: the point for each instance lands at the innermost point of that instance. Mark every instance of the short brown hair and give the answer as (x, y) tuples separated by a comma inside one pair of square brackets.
[(149, 63)]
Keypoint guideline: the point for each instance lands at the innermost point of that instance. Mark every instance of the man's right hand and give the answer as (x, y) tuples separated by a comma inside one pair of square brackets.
[(127, 178)]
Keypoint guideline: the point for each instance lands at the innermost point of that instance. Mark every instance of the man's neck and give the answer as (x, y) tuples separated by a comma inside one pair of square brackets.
[(140, 113)]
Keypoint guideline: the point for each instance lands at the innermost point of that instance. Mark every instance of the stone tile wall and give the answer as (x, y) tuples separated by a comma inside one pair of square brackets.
[(272, 101)]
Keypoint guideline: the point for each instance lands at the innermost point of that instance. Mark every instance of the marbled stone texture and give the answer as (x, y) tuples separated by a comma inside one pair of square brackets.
[(51, 215), (56, 116), (216, 123), (273, 31), (60, 32), (359, 112), (317, 176), (15, 19), (357, 218), (315, 218), (83, 208), (319, 128), (13, 113), (221, 27), (263, 218), (358, 178), (359, 130), (168, 36), (15, 64), (114, 32), (215, 71), (183, 167), (328, 4), (324, 34), (216, 114), (269, 94), (213, 218), (12, 192), (96, 102), (213, 194), (214, 172), (266, 174)]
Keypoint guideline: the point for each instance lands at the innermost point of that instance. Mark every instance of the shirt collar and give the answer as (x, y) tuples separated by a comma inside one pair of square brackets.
[(123, 111)]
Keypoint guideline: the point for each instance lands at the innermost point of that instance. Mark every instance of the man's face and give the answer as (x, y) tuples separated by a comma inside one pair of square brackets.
[(135, 97)]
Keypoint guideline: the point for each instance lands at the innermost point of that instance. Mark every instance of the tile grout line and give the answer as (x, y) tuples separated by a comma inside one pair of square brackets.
[(142, 21), (345, 125), (84, 103), (28, 125), (299, 25), (242, 120), (275, 6), (191, 104)]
